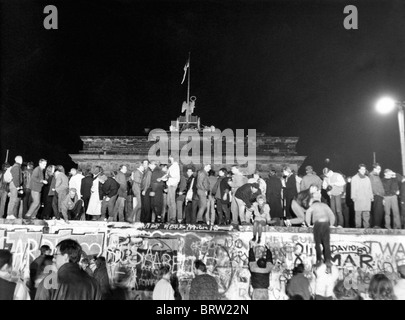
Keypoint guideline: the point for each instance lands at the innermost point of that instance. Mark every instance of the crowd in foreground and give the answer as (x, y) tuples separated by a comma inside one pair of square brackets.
[(155, 192), (69, 274)]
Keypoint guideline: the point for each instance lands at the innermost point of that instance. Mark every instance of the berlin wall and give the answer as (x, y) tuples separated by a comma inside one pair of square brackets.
[(136, 251)]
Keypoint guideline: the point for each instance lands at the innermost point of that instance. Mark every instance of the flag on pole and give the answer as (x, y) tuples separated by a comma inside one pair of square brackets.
[(185, 70)]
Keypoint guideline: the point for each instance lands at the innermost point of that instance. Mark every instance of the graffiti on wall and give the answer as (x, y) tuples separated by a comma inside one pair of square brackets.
[(134, 256), (25, 242)]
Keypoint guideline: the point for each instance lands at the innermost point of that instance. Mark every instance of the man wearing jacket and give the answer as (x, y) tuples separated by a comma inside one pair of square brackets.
[(4, 190), (273, 197), (61, 189), (145, 190), (109, 195), (36, 182), (27, 198), (362, 195), (244, 196), (259, 273), (377, 207), (75, 180), (221, 192), (310, 179), (237, 180), (203, 187), (334, 185), (391, 183), (180, 197), (172, 179), (70, 282), (156, 191), (15, 187), (136, 178), (85, 189), (191, 198), (122, 194), (290, 190)]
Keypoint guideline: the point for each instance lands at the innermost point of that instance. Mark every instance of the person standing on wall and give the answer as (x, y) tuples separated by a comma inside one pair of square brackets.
[(289, 190), (118, 213), (61, 189), (273, 197), (37, 181), (191, 199), (180, 197), (362, 196), (15, 188), (391, 183), (310, 179), (75, 181), (136, 178), (222, 195), (85, 190), (145, 190), (27, 198), (237, 180), (94, 208), (109, 193), (4, 190), (172, 178), (210, 214), (334, 184), (377, 208), (203, 188)]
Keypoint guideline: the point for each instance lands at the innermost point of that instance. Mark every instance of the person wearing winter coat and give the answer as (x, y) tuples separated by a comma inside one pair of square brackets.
[(362, 196)]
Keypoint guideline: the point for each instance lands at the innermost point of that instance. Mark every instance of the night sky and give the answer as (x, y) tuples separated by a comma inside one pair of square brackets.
[(286, 68)]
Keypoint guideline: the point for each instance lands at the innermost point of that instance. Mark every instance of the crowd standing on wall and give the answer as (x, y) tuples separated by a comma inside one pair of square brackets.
[(155, 192), (169, 193)]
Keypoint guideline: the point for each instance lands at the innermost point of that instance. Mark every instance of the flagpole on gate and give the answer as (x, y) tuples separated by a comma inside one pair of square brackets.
[(188, 85)]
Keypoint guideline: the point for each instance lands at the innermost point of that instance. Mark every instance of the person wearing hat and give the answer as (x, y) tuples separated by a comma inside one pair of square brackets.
[(399, 288), (244, 196), (71, 206)]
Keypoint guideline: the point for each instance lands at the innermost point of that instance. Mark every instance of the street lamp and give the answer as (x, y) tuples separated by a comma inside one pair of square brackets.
[(386, 105)]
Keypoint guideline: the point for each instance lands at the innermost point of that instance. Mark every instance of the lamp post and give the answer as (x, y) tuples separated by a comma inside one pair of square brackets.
[(386, 105)]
